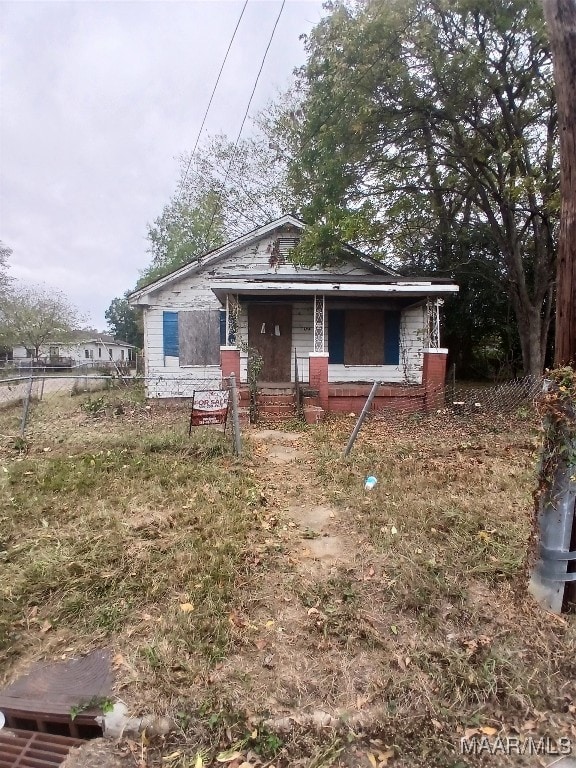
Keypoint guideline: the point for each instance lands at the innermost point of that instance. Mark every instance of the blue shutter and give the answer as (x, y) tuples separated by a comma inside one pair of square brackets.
[(170, 334), (336, 322), (223, 339), (392, 338)]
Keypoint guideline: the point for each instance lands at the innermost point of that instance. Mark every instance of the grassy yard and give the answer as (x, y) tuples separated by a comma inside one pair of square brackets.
[(271, 606)]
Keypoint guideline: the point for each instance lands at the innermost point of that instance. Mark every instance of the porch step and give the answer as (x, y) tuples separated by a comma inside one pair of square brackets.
[(276, 399), (276, 391), (277, 410)]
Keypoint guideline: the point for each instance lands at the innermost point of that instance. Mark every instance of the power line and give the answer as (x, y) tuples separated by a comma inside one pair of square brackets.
[(210, 102), (245, 116)]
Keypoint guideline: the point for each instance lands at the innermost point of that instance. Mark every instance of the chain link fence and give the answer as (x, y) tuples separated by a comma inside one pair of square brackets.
[(21, 396)]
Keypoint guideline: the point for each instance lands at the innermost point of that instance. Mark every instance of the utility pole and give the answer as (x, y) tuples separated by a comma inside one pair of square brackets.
[(561, 21), (553, 580)]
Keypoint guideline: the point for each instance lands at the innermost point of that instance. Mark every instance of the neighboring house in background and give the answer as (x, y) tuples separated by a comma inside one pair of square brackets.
[(346, 326), (89, 349)]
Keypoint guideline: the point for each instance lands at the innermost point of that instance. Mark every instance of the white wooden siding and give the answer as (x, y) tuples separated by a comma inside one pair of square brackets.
[(194, 292)]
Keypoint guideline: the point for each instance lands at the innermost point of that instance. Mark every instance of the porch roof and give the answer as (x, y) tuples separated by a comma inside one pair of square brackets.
[(347, 286)]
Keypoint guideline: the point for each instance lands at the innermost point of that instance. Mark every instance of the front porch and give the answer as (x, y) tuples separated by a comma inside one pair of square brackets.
[(335, 348)]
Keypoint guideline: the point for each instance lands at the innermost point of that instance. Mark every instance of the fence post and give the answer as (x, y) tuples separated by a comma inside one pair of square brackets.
[(42, 388), (235, 416), (361, 418), (26, 406)]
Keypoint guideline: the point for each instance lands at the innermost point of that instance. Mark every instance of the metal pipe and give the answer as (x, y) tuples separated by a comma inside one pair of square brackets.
[(361, 418), (26, 406), (235, 416)]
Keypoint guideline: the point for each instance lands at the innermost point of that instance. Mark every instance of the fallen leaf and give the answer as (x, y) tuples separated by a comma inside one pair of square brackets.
[(228, 756), (46, 627), (394, 629), (186, 607), (171, 756), (199, 762), (372, 760), (487, 730), (393, 530), (384, 757)]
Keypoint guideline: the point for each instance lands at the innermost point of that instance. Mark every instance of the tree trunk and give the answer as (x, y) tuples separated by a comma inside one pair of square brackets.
[(561, 19), (530, 330)]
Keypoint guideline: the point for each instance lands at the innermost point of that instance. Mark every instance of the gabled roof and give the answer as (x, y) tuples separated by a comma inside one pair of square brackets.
[(217, 254)]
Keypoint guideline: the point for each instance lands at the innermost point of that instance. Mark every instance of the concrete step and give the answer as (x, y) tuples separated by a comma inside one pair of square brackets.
[(287, 410), (276, 399)]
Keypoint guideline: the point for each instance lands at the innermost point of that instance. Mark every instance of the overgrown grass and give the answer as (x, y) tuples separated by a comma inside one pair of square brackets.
[(118, 529), (450, 523), (145, 545)]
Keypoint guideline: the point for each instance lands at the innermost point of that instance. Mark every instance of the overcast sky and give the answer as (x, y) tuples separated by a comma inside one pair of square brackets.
[(97, 101)]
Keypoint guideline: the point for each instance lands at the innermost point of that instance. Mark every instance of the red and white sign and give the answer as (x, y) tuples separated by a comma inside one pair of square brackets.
[(209, 406)]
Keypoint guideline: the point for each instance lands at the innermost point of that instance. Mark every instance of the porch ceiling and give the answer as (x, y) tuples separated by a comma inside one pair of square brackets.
[(321, 288)]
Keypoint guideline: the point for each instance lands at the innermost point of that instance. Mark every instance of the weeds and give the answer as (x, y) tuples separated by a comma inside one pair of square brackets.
[(120, 541), (122, 531)]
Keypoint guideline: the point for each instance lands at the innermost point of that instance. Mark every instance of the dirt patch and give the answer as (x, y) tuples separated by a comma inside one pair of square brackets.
[(327, 548), (281, 454), (316, 517)]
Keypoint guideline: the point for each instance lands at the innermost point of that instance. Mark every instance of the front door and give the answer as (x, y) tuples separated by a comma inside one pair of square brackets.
[(270, 332)]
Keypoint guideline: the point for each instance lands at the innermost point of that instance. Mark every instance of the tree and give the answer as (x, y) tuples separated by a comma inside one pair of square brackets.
[(249, 176), (424, 120), (5, 253), (124, 321), (35, 315), (225, 189), (185, 229)]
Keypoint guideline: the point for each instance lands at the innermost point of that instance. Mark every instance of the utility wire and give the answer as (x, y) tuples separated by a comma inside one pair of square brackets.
[(210, 103), (232, 157)]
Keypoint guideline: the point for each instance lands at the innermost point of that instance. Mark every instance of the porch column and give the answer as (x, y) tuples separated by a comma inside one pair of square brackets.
[(319, 323), (434, 376), (319, 376), (230, 362)]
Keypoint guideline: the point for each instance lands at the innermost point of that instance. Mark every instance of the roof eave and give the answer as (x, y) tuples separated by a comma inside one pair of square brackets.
[(212, 256), (407, 289)]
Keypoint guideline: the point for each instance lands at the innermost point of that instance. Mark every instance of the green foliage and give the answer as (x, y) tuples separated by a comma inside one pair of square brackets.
[(105, 705), (94, 407), (188, 227), (225, 190), (125, 322), (5, 253), (428, 134)]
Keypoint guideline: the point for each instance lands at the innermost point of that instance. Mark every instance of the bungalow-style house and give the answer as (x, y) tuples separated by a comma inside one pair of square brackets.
[(82, 348), (340, 328)]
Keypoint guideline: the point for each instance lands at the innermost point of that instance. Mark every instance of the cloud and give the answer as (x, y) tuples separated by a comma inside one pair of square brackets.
[(98, 100)]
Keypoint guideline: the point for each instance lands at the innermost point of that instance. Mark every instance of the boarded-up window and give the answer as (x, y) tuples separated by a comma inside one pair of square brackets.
[(199, 337), (364, 337)]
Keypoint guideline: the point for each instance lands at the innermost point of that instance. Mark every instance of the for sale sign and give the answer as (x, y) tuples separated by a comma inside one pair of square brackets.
[(209, 406)]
